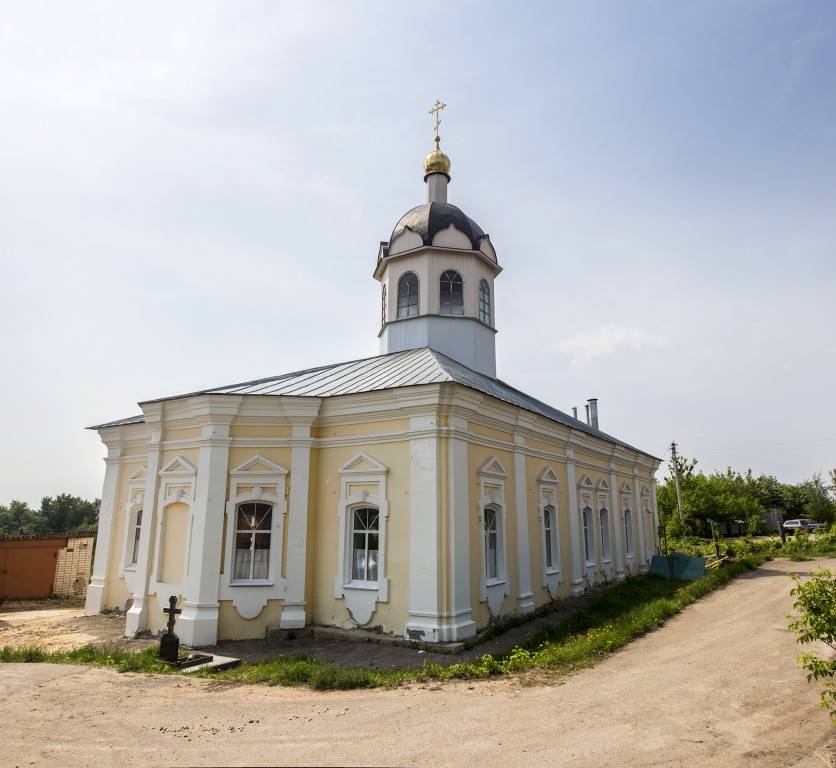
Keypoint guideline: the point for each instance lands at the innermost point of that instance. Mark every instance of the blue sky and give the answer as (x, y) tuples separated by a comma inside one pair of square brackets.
[(192, 194)]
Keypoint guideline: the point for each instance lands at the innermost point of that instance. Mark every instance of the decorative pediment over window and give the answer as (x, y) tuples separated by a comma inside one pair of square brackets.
[(602, 485), (585, 482), (645, 490), (258, 465), (139, 476), (178, 466), (492, 468), (625, 487), (363, 464), (547, 476)]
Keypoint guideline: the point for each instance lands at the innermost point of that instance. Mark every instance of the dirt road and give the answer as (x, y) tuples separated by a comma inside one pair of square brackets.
[(717, 686)]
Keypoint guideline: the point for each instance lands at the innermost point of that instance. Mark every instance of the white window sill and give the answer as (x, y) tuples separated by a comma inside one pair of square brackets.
[(131, 567), (370, 586), (591, 563), (631, 557), (552, 571), (607, 561), (252, 583), (494, 582)]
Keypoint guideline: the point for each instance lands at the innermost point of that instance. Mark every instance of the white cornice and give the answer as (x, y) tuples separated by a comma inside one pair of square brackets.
[(383, 264)]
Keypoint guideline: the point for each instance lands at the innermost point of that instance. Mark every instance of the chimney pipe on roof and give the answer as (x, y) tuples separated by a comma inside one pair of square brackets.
[(592, 409), (575, 411), (587, 414)]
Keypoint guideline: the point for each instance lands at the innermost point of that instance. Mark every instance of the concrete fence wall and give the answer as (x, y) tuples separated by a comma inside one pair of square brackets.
[(44, 565)]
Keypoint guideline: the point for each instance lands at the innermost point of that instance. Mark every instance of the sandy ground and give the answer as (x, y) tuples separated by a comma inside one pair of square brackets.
[(717, 686)]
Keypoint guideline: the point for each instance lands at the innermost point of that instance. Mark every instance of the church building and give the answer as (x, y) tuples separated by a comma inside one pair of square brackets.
[(413, 492)]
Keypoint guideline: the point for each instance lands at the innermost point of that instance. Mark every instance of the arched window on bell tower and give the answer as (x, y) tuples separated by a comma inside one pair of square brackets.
[(451, 293), (484, 301), (408, 295)]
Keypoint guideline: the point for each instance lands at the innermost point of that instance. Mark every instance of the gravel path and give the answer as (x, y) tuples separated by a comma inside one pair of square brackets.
[(717, 686)]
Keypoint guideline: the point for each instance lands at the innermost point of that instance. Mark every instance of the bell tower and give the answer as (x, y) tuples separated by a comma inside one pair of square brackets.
[(437, 275)]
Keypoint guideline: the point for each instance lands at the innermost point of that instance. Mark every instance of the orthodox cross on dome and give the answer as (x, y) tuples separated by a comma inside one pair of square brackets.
[(437, 110)]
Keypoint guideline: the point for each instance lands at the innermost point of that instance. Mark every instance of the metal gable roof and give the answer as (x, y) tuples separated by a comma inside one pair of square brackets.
[(414, 367)]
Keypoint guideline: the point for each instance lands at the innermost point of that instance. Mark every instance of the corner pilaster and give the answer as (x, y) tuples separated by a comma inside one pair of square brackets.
[(302, 412), (97, 589), (460, 624), (137, 616), (198, 624), (424, 622)]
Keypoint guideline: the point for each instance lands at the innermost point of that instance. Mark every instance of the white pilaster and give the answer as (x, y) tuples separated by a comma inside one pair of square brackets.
[(655, 507), (640, 519), (97, 589), (301, 412), (424, 621), (525, 597), (198, 624), (461, 625), (137, 616), (617, 526), (578, 562)]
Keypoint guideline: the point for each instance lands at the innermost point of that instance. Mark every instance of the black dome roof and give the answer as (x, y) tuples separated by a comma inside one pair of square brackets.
[(429, 219)]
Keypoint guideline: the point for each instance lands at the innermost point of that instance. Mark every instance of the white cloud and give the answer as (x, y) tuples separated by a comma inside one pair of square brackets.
[(608, 340)]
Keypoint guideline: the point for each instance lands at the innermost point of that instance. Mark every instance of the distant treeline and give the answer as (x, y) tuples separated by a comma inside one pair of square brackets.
[(731, 495), (59, 514)]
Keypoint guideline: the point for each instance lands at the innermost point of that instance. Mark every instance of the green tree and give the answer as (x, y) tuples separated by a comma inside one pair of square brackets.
[(17, 519), (816, 604), (55, 515), (67, 513)]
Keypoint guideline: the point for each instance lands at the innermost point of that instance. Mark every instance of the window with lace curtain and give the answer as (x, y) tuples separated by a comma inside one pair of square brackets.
[(365, 531), (253, 528), (137, 532)]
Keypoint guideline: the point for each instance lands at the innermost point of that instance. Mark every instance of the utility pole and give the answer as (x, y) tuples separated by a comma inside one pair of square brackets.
[(676, 478)]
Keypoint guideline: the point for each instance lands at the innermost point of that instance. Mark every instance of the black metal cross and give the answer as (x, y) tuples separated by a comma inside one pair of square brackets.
[(172, 613)]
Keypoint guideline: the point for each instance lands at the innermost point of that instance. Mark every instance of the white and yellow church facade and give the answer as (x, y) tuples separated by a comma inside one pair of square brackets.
[(412, 492)]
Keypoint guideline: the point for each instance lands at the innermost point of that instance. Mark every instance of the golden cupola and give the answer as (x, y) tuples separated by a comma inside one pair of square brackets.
[(437, 161)]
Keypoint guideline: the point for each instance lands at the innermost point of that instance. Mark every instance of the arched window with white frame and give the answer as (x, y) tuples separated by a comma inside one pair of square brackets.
[(491, 535), (408, 288), (628, 532), (383, 304), (365, 537), (484, 301), (547, 482), (494, 585), (451, 293), (550, 537), (604, 521), (137, 532), (588, 533), (253, 530)]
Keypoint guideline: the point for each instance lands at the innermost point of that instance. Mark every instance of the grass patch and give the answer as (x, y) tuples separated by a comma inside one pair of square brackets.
[(94, 656), (624, 612), (802, 546)]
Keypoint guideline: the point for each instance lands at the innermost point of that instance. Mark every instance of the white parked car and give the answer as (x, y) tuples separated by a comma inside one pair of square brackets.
[(803, 524)]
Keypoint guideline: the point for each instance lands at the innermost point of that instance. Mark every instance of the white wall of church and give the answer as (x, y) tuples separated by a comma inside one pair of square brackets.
[(483, 453)]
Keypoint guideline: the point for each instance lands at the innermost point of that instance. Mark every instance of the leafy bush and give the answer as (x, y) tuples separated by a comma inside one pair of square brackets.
[(816, 604), (802, 546)]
